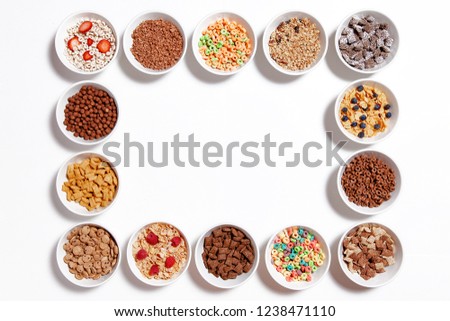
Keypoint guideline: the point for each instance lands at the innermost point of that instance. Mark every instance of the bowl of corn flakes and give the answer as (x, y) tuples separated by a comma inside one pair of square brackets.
[(366, 111), (158, 254)]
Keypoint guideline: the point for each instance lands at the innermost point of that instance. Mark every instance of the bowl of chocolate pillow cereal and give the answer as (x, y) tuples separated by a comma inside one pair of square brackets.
[(369, 183), (226, 256), (87, 113), (367, 41)]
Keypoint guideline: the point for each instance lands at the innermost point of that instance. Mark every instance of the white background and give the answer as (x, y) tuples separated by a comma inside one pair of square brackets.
[(244, 107)]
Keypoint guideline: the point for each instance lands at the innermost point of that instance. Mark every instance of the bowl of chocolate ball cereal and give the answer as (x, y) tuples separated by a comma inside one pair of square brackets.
[(87, 113), (367, 41), (370, 254), (226, 256), (294, 43), (369, 183), (366, 111), (154, 43)]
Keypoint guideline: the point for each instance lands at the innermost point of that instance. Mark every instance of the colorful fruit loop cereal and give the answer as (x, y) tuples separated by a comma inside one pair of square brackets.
[(90, 44), (225, 45), (160, 251), (365, 111), (296, 254)]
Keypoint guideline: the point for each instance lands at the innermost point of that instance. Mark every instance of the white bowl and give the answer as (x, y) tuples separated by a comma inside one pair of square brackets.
[(392, 100), (386, 204), (203, 25), (273, 24), (219, 282), (382, 278), (74, 207), (381, 18), (316, 277), (128, 40), (63, 267), (61, 106), (137, 273), (61, 34)]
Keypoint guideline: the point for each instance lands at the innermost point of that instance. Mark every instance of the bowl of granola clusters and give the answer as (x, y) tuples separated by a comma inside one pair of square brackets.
[(294, 43), (86, 43), (158, 254)]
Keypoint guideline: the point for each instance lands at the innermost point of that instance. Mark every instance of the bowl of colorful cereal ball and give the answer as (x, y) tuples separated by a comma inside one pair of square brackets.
[(86, 42), (224, 43), (366, 111), (367, 41), (297, 257), (87, 113), (226, 256), (294, 43), (88, 255), (369, 183), (158, 254), (154, 43), (370, 254), (87, 184)]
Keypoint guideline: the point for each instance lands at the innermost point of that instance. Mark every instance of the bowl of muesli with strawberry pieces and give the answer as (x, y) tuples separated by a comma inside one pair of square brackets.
[(86, 42), (158, 254)]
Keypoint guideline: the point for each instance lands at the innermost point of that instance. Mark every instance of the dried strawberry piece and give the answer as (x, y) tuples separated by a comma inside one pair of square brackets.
[(90, 42), (170, 261), (141, 254), (152, 238), (104, 46), (176, 241), (87, 56), (72, 43), (154, 270), (85, 26)]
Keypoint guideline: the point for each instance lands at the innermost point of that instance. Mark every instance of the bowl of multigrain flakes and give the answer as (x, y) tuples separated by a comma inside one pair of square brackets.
[(86, 42), (158, 254), (294, 43)]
